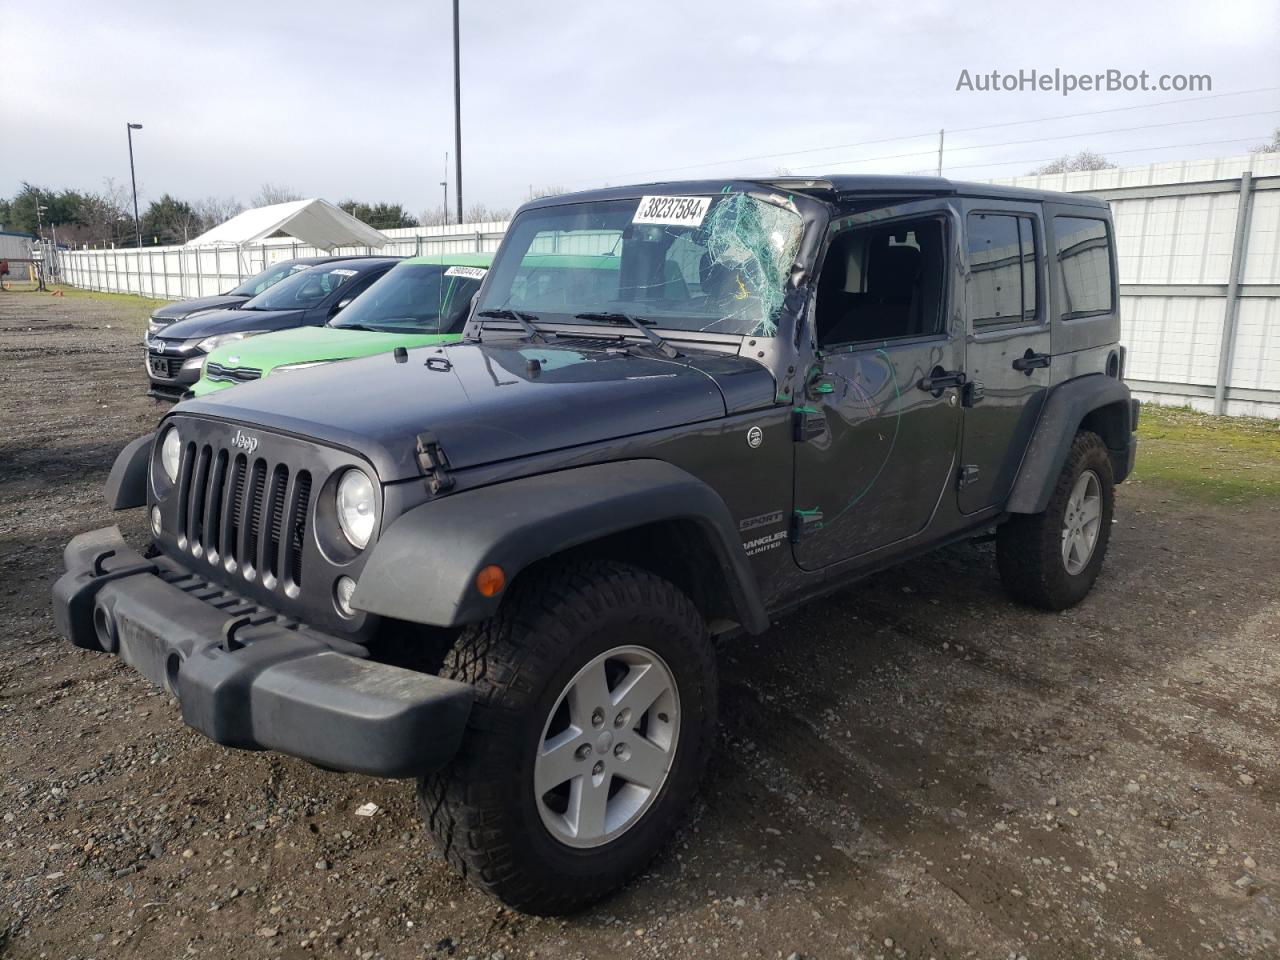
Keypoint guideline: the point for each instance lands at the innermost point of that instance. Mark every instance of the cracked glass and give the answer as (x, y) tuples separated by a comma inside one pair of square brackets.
[(718, 263)]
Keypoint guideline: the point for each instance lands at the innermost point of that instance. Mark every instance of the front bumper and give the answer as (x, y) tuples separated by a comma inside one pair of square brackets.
[(172, 375), (246, 677)]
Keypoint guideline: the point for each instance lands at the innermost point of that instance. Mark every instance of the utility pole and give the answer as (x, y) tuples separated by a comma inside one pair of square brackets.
[(457, 113), (137, 224), (941, 135), (445, 183)]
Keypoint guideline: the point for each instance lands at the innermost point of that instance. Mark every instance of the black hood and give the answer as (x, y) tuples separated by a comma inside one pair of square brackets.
[(491, 402), (231, 321), (173, 312)]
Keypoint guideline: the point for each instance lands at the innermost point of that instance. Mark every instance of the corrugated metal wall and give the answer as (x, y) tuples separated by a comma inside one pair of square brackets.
[(1176, 227)]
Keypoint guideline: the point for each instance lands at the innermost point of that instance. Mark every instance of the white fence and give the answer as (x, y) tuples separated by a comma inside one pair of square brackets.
[(177, 273), (1198, 269)]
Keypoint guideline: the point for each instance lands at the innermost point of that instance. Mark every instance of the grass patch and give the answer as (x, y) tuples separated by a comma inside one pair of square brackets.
[(148, 303), (1206, 458)]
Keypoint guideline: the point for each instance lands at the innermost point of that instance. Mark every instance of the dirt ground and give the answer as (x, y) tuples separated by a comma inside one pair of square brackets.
[(912, 768)]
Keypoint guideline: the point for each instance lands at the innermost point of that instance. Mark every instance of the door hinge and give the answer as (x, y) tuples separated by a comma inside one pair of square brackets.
[(433, 463), (968, 474), (807, 423), (805, 522)]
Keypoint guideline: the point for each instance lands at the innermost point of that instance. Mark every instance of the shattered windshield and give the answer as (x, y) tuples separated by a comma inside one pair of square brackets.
[(718, 263)]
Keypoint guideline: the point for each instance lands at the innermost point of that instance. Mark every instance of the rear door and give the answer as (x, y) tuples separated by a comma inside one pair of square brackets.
[(1008, 351), (878, 430)]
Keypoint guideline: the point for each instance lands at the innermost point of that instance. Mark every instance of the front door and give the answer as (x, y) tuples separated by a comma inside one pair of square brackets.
[(878, 428), (1008, 352)]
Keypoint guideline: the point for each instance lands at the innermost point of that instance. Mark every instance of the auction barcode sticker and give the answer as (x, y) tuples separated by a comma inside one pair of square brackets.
[(344, 272), (471, 273), (676, 211)]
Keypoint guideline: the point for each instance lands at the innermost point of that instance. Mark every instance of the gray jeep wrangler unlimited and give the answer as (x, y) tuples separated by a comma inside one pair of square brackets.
[(678, 411)]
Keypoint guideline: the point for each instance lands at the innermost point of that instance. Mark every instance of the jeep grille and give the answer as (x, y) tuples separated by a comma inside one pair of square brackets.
[(244, 513)]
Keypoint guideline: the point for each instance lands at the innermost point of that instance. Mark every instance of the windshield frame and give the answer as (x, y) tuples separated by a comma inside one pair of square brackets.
[(809, 211)]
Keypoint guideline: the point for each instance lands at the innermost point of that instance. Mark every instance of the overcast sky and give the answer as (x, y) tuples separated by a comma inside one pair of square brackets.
[(355, 100)]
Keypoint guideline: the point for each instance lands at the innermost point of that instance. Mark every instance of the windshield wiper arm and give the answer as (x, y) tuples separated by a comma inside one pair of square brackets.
[(637, 322), (521, 318)]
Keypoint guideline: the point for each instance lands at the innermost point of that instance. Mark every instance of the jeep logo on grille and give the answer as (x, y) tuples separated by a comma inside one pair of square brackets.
[(244, 442)]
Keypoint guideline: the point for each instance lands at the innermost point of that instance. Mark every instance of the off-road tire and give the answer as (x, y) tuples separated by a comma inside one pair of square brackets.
[(482, 810), (1029, 547)]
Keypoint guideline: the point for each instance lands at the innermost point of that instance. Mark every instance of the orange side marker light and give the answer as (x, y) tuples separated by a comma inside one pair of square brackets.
[(490, 580)]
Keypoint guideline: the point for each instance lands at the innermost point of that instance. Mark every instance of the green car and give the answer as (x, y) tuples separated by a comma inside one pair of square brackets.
[(420, 302)]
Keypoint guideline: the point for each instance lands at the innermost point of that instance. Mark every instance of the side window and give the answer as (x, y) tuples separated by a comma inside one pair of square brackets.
[(357, 288), (1084, 257), (1001, 287), (882, 282)]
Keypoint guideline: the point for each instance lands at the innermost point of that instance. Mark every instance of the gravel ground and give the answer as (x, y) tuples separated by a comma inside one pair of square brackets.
[(912, 768)]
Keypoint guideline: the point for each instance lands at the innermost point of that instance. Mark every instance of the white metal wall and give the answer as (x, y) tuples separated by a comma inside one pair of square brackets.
[(1175, 227)]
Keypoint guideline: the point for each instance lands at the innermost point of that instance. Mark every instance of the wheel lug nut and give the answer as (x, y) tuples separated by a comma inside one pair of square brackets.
[(598, 768), (623, 718), (597, 717), (583, 751)]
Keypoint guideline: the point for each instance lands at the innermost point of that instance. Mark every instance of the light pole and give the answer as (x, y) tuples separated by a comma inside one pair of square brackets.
[(457, 114), (134, 180), (445, 183)]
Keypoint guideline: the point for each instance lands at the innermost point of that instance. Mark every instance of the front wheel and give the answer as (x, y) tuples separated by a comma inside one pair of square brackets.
[(594, 712), (1051, 559)]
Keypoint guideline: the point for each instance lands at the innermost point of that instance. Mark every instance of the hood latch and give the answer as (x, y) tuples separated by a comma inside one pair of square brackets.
[(433, 463)]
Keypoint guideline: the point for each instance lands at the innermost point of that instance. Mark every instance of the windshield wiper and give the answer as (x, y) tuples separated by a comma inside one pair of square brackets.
[(637, 322), (521, 318)]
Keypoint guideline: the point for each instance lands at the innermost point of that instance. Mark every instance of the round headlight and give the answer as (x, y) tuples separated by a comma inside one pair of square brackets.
[(170, 453), (356, 507)]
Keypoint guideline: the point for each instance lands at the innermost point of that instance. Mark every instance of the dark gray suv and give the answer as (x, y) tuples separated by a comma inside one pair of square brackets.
[(679, 411)]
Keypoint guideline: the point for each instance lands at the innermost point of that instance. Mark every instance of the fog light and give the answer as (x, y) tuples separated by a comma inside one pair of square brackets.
[(342, 591), (156, 526)]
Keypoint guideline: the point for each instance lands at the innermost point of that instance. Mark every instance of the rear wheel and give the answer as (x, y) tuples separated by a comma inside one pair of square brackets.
[(1051, 559), (594, 714)]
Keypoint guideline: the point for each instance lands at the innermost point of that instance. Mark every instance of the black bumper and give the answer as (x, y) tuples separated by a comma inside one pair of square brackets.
[(246, 677)]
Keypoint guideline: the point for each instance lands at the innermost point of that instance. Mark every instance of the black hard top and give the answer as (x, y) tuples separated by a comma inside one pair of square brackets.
[(833, 189), (314, 261), (361, 264)]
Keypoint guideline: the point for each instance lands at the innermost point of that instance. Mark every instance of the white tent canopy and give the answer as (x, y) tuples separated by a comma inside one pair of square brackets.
[(315, 221)]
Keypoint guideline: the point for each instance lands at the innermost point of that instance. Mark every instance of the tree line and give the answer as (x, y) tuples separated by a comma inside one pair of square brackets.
[(103, 218)]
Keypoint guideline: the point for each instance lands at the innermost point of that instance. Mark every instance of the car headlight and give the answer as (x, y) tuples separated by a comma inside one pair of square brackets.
[(170, 453), (356, 507), (290, 367), (209, 344)]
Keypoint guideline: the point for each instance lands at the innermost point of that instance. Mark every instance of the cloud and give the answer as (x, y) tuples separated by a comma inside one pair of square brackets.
[(357, 102)]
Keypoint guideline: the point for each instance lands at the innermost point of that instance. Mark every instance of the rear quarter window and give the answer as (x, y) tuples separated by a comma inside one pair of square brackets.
[(1084, 258)]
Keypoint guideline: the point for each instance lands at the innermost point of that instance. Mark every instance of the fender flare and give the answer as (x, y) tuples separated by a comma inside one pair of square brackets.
[(1065, 409), (423, 567), (127, 481)]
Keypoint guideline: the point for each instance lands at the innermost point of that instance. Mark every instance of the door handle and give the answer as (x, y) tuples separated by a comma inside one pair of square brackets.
[(1030, 361), (939, 379)]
